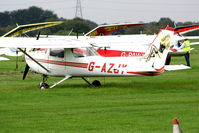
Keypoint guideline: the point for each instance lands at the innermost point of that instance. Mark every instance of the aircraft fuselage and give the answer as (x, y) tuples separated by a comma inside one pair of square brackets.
[(63, 62)]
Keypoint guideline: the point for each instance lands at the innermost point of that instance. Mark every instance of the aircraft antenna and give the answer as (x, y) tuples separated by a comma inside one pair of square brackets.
[(70, 32), (78, 13), (175, 25)]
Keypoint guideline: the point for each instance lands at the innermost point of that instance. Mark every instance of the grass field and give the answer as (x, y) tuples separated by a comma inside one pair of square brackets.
[(121, 105)]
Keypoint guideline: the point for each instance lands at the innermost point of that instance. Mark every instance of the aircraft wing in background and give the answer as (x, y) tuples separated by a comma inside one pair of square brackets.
[(30, 27), (176, 67), (186, 29), (107, 29)]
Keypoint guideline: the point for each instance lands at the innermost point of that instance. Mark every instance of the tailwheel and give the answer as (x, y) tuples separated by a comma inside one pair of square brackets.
[(43, 86), (96, 83)]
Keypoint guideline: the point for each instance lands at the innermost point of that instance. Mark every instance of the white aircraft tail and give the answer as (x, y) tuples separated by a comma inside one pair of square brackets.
[(159, 48)]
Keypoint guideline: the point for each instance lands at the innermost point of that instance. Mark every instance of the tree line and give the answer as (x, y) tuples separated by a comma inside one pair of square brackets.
[(10, 19)]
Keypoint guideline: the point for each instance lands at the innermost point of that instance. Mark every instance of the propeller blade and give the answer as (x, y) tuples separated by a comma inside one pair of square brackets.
[(26, 71)]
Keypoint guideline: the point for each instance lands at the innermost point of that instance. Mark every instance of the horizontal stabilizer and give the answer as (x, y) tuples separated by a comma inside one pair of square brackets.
[(176, 67)]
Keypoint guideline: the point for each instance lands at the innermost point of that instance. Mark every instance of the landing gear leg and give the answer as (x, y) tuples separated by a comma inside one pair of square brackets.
[(95, 83), (42, 84), (65, 78)]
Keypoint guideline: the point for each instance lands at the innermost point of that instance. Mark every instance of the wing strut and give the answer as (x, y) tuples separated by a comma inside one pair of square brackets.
[(33, 59)]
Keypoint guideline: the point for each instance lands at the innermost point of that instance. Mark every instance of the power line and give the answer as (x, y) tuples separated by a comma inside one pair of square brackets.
[(78, 12)]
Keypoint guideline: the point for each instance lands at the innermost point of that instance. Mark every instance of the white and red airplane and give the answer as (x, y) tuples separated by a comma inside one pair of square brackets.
[(67, 57), (137, 43)]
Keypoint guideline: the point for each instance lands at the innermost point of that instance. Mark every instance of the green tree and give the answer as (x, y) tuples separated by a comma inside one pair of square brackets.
[(32, 15), (164, 22), (134, 30), (72, 26), (77, 25), (5, 19)]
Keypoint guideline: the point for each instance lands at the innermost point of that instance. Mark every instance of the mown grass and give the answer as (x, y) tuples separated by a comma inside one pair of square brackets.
[(121, 105)]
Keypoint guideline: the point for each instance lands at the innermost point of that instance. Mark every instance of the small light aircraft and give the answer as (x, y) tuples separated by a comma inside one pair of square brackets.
[(68, 58), (137, 43)]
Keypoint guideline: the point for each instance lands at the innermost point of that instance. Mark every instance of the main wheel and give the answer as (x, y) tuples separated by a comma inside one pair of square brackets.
[(96, 83), (43, 86)]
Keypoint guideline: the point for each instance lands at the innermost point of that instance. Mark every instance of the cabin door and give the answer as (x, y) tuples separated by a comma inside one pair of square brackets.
[(56, 61)]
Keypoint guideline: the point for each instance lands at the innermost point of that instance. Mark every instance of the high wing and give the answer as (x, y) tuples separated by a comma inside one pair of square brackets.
[(186, 29), (19, 42), (107, 29), (30, 27)]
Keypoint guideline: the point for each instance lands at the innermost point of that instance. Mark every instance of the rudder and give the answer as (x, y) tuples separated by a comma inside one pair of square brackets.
[(159, 48)]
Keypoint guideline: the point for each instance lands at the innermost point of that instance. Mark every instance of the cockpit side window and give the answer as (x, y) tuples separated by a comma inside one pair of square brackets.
[(55, 52), (79, 52), (84, 52)]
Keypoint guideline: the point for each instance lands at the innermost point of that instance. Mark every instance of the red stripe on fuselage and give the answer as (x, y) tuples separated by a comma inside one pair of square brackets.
[(61, 63), (145, 73)]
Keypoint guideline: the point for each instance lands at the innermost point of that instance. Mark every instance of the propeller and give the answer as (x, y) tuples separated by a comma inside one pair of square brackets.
[(26, 71)]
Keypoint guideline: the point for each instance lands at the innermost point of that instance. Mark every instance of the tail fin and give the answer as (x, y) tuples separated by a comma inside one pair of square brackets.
[(159, 48)]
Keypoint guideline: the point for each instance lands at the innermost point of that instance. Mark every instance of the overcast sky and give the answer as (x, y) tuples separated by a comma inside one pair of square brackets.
[(115, 11)]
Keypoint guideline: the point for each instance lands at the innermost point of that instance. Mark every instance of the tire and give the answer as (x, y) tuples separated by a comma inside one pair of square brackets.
[(96, 83), (44, 86)]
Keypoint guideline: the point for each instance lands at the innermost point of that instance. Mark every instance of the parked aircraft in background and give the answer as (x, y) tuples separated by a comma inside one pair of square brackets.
[(137, 43)]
